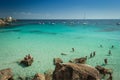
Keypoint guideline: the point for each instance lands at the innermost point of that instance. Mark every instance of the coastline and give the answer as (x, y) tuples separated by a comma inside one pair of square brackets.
[(44, 46)]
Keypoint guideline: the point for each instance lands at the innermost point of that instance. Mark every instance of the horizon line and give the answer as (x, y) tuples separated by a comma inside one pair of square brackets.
[(69, 19)]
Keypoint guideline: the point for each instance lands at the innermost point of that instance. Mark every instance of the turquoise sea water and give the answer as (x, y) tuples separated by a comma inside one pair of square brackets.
[(47, 41)]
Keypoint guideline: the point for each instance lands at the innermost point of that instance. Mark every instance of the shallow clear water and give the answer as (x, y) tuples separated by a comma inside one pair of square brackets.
[(47, 41)]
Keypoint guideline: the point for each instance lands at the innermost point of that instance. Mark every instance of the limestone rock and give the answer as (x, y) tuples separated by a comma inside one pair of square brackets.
[(103, 70), (39, 77), (27, 61), (57, 60), (6, 74), (81, 60), (48, 75), (2, 23), (72, 71)]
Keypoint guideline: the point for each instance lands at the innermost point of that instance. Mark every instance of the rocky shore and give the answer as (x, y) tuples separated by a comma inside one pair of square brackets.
[(6, 74), (6, 21), (73, 70)]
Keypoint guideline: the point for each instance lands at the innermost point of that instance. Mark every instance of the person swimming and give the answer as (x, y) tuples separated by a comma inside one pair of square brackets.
[(26, 57), (112, 46), (29, 56)]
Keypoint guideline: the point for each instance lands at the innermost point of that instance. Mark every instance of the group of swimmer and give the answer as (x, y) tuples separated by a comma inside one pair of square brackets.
[(94, 53), (109, 53), (27, 57), (105, 60), (111, 46)]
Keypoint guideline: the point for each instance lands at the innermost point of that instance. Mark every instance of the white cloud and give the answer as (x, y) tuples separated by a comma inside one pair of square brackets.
[(31, 15), (75, 15)]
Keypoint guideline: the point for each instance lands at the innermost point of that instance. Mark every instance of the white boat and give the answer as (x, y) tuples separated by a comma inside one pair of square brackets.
[(84, 23), (39, 22), (118, 23), (53, 23)]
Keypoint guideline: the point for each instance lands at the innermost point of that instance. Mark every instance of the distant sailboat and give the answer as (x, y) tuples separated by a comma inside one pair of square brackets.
[(84, 23)]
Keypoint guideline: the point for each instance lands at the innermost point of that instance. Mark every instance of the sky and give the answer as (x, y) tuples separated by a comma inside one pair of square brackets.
[(60, 9)]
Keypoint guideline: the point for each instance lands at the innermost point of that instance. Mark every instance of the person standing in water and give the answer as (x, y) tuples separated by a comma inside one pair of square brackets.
[(101, 46), (94, 53), (73, 49), (91, 55), (109, 52), (105, 61)]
